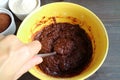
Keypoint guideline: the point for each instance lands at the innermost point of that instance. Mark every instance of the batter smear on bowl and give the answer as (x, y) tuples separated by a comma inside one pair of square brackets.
[(72, 45)]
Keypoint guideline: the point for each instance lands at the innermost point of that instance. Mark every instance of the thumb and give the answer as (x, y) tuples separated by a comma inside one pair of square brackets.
[(28, 65)]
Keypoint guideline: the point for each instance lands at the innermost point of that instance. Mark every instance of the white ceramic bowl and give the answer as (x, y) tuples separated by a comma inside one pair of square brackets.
[(4, 4), (21, 16), (12, 27)]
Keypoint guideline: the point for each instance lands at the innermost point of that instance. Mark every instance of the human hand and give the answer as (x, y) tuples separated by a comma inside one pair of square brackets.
[(17, 58)]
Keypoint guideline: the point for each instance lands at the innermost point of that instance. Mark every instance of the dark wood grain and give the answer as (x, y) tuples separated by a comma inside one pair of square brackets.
[(109, 12)]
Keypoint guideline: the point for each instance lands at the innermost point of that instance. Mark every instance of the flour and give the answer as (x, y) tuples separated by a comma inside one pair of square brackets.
[(24, 6)]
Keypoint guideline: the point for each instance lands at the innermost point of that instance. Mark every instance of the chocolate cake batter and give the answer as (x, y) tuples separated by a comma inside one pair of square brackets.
[(72, 45)]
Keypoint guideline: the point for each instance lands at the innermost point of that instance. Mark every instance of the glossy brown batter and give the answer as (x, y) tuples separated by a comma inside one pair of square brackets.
[(73, 47)]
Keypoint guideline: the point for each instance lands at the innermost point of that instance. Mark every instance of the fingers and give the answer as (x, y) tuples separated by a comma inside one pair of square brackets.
[(32, 60), (31, 63), (24, 52), (6, 43), (34, 47), (15, 44), (9, 38), (1, 37), (10, 41), (18, 54)]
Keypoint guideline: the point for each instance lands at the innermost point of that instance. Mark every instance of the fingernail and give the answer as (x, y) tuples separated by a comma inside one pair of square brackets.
[(40, 60), (38, 43)]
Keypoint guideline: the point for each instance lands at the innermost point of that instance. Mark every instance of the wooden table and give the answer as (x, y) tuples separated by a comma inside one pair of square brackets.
[(109, 12)]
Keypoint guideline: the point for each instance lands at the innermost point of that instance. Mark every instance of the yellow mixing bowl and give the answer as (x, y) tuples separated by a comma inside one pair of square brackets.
[(74, 14)]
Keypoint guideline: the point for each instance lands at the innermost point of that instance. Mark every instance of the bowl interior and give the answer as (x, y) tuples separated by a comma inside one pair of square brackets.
[(74, 14)]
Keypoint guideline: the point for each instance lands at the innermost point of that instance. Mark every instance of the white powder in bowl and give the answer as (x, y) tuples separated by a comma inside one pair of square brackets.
[(24, 6)]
